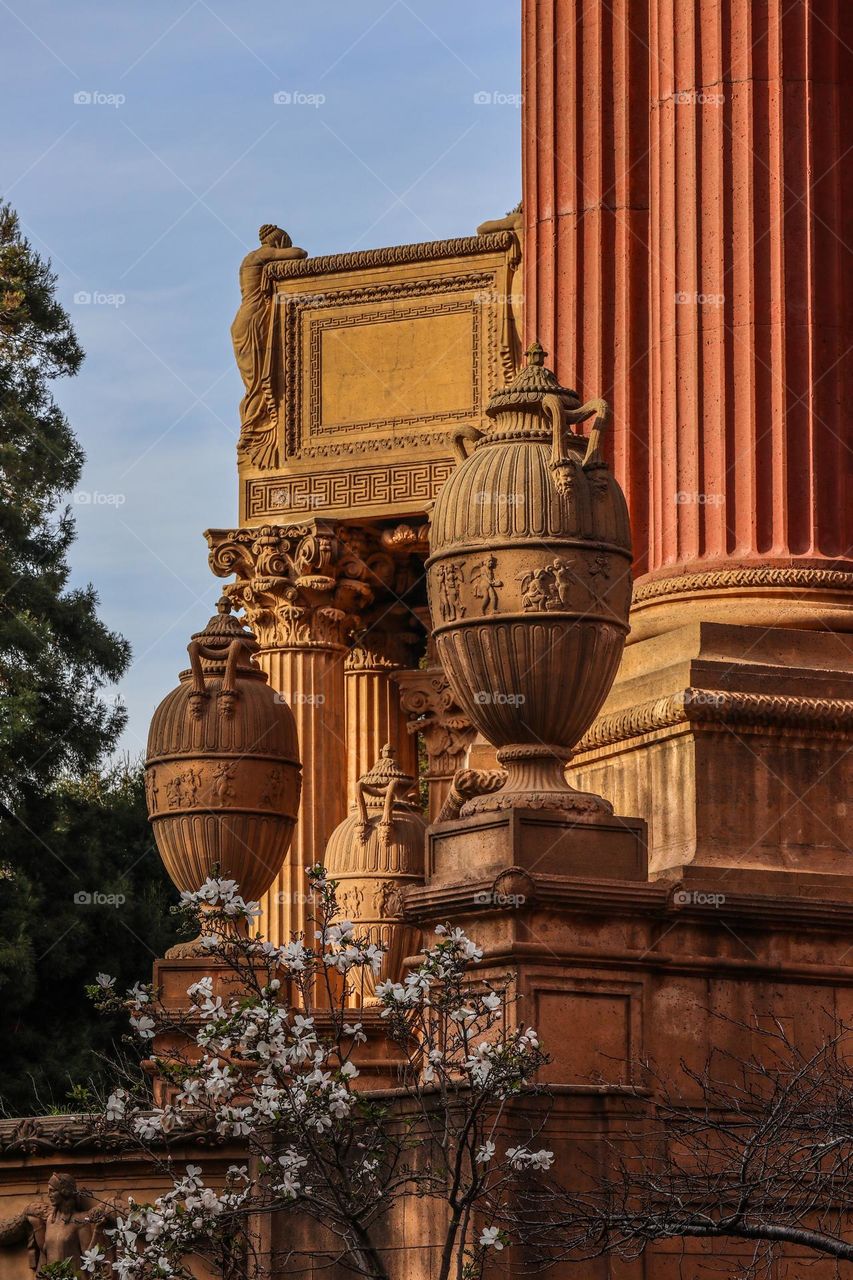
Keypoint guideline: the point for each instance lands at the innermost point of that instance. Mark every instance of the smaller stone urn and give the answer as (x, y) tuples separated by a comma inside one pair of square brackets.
[(374, 854), (222, 771)]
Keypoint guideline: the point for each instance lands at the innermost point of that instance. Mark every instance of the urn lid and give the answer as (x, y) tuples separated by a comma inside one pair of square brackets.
[(385, 770), (214, 642), (530, 386)]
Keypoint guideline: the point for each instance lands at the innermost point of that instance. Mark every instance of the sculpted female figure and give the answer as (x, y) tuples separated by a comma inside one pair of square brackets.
[(61, 1228), (252, 334)]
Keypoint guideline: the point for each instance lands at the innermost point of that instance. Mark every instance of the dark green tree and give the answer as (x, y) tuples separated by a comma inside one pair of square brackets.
[(63, 828)]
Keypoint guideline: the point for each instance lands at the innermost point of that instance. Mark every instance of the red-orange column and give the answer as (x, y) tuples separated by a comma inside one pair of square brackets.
[(752, 268), (733, 437), (585, 159)]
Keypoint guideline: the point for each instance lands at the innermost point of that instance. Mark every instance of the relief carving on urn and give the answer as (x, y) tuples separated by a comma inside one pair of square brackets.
[(529, 581)]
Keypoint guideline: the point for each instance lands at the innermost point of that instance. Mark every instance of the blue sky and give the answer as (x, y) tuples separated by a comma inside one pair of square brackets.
[(148, 188)]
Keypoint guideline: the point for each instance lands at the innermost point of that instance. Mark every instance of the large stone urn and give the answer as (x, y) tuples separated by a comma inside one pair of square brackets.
[(222, 772), (530, 585), (374, 854)]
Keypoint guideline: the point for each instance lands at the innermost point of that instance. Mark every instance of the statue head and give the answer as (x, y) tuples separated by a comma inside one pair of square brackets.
[(62, 1190), (270, 234)]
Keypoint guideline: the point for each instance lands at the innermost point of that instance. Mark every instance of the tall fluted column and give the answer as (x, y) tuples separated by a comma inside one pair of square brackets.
[(374, 714), (585, 174), (301, 606), (390, 638), (752, 326), (688, 254)]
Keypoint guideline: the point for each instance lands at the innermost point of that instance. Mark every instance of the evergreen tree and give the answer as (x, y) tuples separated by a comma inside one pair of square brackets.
[(61, 833)]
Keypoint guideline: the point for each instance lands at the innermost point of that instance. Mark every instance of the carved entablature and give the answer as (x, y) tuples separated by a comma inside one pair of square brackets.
[(373, 358)]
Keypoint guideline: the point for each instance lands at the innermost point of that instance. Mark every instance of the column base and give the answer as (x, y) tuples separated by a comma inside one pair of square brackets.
[(784, 595), (733, 743)]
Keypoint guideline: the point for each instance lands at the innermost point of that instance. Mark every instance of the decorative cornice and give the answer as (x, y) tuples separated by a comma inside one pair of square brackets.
[(722, 709), (394, 255), (73, 1134), (658, 899), (760, 577)]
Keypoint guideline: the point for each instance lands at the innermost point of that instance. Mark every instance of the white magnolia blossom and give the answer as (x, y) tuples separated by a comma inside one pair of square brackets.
[(491, 1238), (278, 1073)]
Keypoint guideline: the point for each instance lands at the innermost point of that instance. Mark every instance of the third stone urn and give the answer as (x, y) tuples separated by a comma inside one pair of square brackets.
[(529, 580)]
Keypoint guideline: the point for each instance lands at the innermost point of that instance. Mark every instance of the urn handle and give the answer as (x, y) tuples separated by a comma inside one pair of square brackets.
[(561, 416), (461, 434), (228, 692), (387, 822)]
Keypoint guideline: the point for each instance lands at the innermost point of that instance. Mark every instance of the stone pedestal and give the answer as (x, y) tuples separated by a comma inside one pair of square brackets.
[(734, 744), (615, 970)]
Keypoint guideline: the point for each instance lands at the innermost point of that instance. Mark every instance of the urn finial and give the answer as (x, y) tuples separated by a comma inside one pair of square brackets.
[(536, 353)]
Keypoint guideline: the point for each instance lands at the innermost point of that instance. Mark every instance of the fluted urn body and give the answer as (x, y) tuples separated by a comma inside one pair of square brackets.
[(374, 854), (530, 585), (222, 772)]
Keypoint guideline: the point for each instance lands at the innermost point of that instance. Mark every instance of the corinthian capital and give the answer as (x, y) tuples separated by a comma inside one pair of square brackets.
[(433, 712), (291, 582)]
